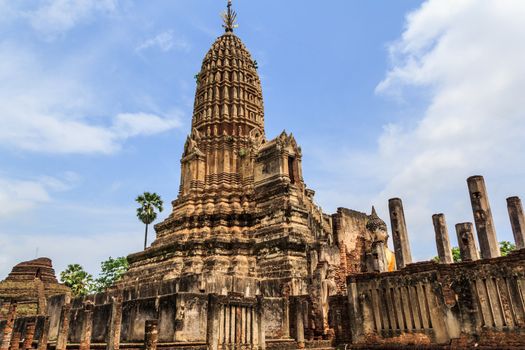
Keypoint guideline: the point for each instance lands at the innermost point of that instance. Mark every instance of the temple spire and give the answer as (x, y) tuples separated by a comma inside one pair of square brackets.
[(229, 17)]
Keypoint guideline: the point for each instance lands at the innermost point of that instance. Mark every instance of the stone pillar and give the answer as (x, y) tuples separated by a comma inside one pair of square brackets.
[(299, 322), (113, 340), (29, 336), (442, 240), (87, 326), (8, 329), (42, 301), (517, 221), (466, 242), (63, 327), (151, 335), (488, 243), (286, 317), (354, 311), (260, 324), (212, 327), (399, 233), (15, 341), (44, 336)]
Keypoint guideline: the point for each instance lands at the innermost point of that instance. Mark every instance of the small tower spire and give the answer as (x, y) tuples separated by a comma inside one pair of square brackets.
[(229, 17)]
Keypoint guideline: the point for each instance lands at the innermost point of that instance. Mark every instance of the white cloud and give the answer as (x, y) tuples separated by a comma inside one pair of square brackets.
[(55, 17), (463, 59), (165, 42), (18, 195), (49, 110), (21, 195), (129, 125), (469, 56)]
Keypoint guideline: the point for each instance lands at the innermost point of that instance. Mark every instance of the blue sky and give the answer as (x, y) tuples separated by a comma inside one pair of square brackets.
[(387, 99)]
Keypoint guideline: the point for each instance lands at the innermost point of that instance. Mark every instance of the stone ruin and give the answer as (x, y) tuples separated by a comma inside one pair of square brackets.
[(247, 260), (29, 285)]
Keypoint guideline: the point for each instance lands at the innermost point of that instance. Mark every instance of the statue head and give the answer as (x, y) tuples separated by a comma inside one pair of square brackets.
[(377, 227)]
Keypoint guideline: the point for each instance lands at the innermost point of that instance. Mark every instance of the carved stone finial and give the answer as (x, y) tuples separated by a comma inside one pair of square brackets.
[(229, 17)]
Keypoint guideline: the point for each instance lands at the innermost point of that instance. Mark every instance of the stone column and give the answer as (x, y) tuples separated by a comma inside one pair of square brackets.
[(286, 317), (517, 221), (87, 327), (29, 336), (8, 329), (488, 243), (44, 336), (63, 327), (113, 340), (354, 311), (299, 322), (442, 240), (151, 335), (42, 301), (15, 341), (212, 327), (399, 233), (466, 242), (260, 324)]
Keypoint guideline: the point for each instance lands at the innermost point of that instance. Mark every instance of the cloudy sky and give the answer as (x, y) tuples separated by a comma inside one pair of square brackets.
[(387, 99)]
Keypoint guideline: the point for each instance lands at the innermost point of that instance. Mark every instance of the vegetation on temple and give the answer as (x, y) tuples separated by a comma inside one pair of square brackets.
[(149, 203)]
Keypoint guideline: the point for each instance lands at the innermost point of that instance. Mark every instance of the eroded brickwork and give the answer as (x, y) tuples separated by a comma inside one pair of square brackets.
[(28, 285)]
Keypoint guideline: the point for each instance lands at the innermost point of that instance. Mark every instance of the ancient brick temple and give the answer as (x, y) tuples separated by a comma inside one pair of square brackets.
[(244, 222), (247, 260), (29, 284)]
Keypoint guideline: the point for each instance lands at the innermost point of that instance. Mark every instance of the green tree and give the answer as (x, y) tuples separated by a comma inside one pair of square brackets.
[(505, 247), (149, 202), (456, 255), (111, 271), (80, 282)]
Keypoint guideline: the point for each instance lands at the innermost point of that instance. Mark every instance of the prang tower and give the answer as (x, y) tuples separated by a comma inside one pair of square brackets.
[(244, 221)]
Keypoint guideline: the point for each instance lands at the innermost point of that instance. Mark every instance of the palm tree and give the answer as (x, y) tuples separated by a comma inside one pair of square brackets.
[(146, 212)]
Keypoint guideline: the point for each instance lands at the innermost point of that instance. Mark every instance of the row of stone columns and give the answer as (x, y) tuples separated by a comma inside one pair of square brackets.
[(11, 338), (113, 341), (484, 223), (486, 232)]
